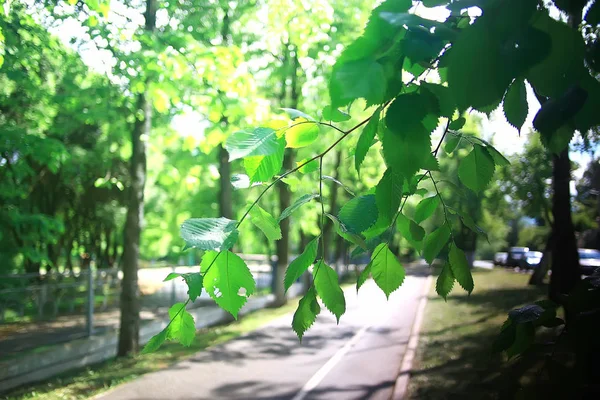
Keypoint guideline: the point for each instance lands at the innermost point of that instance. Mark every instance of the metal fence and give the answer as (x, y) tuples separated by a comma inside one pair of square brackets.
[(29, 298), (43, 297)]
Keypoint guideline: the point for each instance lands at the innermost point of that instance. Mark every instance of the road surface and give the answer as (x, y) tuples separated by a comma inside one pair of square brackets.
[(358, 359)]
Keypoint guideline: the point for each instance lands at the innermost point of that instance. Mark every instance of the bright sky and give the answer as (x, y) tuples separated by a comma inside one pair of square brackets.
[(505, 137)]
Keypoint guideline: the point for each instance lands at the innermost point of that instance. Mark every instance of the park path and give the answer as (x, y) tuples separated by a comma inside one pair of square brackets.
[(358, 359)]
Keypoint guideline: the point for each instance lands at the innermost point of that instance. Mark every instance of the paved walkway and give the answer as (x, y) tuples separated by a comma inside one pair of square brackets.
[(358, 359)]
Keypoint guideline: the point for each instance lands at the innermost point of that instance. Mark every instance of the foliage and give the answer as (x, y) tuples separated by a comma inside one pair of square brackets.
[(407, 111)]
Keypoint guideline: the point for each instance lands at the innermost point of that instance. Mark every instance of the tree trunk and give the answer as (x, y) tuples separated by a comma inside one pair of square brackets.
[(129, 329), (283, 244), (285, 195), (333, 196), (565, 259), (540, 272), (225, 192)]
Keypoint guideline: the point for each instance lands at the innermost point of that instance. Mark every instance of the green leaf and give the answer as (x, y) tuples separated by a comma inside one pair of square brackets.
[(499, 159), (451, 143), (312, 166), (515, 104), (357, 79), (364, 275), (182, 327), (481, 80), (262, 168), (523, 339), (468, 221), (406, 143), (426, 208), (410, 231), (334, 115), (297, 204), (259, 142), (446, 102), (299, 265), (293, 113), (365, 141), (359, 214), (434, 3), (388, 195), (387, 271), (329, 290), (265, 222), (171, 276), (194, 284), (343, 231), (476, 169), (435, 242), (564, 65), (156, 341), (302, 133), (209, 233), (445, 282), (460, 268), (306, 313), (227, 280), (457, 123)]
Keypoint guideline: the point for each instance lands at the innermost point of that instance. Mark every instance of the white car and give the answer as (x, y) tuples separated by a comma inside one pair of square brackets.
[(589, 260)]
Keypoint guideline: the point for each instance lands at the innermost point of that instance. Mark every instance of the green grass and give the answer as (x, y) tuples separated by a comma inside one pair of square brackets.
[(454, 357), (98, 378)]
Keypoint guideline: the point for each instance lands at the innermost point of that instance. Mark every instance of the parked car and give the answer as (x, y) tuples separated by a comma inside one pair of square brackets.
[(500, 258), (531, 260), (589, 260), (516, 256)]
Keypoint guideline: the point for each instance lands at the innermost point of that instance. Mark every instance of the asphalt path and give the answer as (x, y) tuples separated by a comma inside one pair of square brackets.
[(358, 359)]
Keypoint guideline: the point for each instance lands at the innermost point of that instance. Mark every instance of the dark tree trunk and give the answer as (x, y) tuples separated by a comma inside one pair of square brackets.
[(565, 259), (285, 195), (283, 244), (540, 272), (225, 192), (333, 200), (130, 306)]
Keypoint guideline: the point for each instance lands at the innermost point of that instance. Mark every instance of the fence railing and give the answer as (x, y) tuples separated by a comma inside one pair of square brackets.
[(46, 297)]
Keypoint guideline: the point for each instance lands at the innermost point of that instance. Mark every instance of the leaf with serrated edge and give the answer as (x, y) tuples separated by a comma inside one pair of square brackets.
[(388, 195), (301, 133), (364, 275), (445, 282), (359, 214), (228, 280), (435, 242), (156, 341), (297, 204), (476, 169), (460, 268), (426, 208), (209, 233), (299, 265), (365, 141), (306, 313), (259, 142), (387, 271), (194, 283), (182, 327), (265, 222), (329, 290), (515, 104), (171, 276)]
